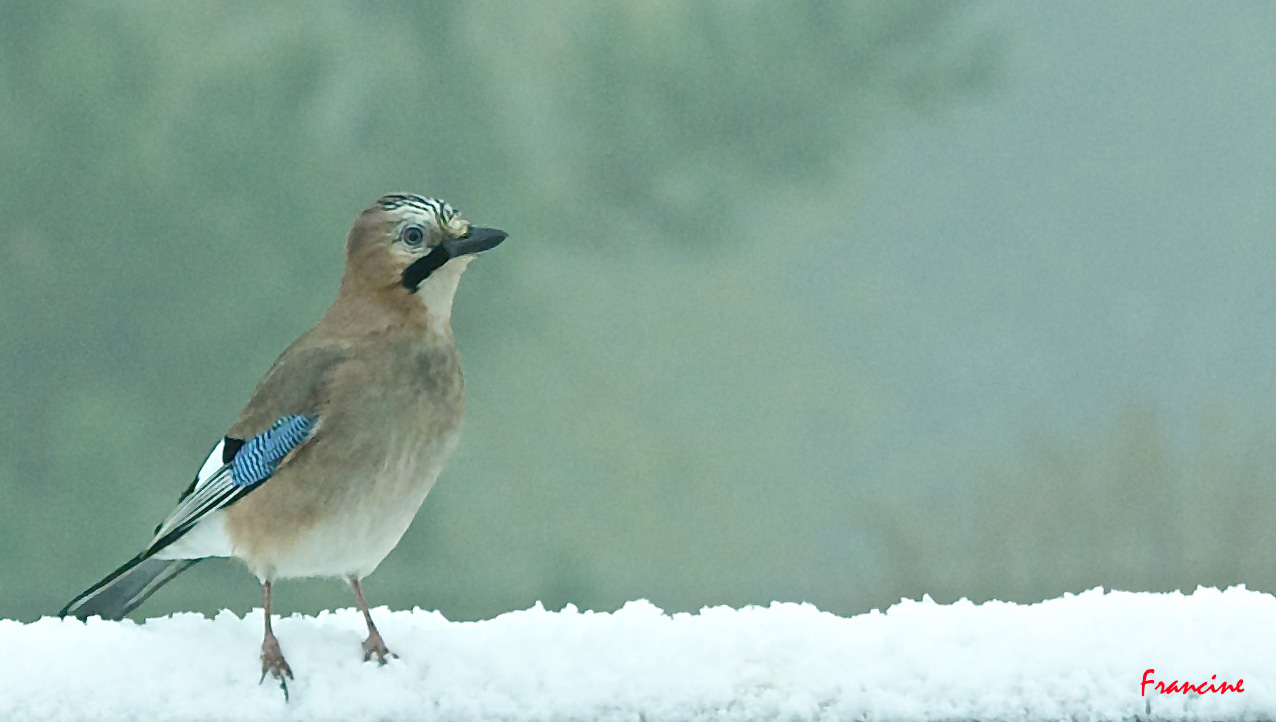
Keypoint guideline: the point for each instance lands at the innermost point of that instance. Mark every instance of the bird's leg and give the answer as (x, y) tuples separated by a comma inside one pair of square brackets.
[(272, 658), (373, 644)]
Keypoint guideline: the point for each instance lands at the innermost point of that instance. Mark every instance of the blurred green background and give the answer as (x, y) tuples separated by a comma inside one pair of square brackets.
[(835, 302)]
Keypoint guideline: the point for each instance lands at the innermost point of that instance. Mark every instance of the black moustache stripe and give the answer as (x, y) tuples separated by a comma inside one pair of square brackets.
[(422, 267)]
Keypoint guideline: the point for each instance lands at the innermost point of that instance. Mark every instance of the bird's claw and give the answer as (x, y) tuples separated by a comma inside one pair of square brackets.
[(373, 645), (274, 664)]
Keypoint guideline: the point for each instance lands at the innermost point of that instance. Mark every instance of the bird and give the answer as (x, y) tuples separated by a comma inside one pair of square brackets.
[(343, 437)]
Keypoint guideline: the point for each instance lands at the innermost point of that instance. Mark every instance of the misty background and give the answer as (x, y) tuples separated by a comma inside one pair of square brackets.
[(814, 301)]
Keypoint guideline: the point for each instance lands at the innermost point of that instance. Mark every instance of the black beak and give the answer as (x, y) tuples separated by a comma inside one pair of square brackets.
[(476, 241)]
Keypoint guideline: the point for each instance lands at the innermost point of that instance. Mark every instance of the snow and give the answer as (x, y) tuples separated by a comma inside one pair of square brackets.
[(1077, 657)]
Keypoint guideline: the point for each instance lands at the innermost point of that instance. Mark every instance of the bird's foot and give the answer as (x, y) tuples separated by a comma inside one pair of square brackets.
[(374, 646), (274, 664)]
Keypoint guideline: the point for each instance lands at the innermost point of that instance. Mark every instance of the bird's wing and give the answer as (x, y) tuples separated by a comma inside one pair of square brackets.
[(251, 462), (284, 413)]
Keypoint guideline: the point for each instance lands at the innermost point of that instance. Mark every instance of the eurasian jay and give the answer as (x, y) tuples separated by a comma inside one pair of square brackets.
[(342, 439)]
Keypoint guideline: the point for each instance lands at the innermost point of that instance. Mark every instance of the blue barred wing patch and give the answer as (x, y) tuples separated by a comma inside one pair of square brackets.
[(259, 457)]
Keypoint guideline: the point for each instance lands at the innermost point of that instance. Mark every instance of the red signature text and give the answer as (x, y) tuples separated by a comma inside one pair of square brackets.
[(1187, 687)]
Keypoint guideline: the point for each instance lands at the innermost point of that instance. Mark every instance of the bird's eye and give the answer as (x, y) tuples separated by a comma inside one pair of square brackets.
[(413, 236)]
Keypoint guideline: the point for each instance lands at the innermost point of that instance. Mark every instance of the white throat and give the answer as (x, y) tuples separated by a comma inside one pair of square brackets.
[(439, 288)]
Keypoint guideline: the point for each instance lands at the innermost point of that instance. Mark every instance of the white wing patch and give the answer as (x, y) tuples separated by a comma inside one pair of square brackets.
[(212, 464)]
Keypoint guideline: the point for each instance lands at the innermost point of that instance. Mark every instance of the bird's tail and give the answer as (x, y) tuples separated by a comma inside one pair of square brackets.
[(125, 588)]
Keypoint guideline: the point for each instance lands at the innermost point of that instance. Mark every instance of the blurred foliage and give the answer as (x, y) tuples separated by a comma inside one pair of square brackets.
[(1120, 507), (684, 377), (654, 411)]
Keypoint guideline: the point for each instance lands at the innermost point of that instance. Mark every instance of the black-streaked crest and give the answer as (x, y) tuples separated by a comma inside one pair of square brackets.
[(433, 206)]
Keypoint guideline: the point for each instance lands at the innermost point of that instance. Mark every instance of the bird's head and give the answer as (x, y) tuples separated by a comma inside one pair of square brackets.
[(410, 245)]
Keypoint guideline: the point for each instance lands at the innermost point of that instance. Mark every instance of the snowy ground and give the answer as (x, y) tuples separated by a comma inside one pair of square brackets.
[(1078, 657)]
